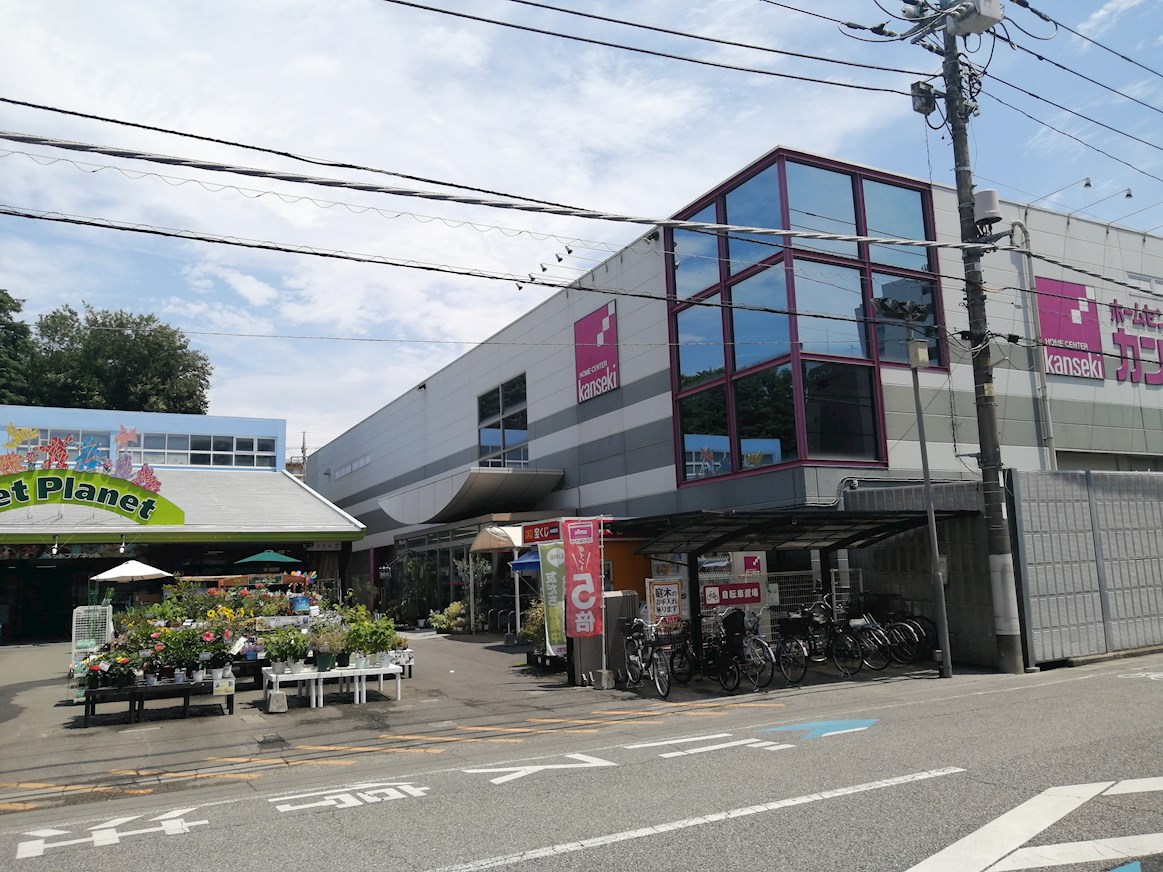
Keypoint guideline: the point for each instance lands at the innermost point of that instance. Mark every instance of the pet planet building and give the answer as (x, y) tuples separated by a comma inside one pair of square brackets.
[(83, 490), (722, 393)]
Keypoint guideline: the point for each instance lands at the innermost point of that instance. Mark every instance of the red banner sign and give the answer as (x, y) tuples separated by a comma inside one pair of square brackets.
[(583, 578)]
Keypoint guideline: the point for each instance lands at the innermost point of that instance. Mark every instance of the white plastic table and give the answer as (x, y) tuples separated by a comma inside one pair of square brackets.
[(312, 681)]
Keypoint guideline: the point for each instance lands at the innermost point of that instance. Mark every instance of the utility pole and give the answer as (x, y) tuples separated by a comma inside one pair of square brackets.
[(1001, 560)]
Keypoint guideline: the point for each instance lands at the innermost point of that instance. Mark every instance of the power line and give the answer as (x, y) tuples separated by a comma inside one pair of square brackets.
[(271, 151), (1087, 118), (1080, 141), (1025, 5), (520, 206), (711, 39), (645, 51), (1074, 72)]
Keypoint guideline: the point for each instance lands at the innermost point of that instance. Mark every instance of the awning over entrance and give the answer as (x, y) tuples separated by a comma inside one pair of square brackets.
[(770, 530), (478, 490)]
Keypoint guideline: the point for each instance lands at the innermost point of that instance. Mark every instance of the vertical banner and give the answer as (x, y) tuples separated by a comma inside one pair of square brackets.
[(583, 565), (553, 595)]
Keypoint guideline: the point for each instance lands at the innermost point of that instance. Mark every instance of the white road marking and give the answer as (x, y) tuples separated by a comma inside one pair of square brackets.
[(997, 846), (706, 748), (717, 817), (981, 849), (678, 741), (105, 834), (1069, 853), (515, 772)]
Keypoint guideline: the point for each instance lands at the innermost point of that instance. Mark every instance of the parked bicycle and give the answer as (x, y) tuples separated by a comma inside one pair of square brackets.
[(645, 656), (823, 638), (686, 662)]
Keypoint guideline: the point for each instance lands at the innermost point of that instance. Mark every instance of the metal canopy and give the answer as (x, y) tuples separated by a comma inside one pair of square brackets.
[(771, 530)]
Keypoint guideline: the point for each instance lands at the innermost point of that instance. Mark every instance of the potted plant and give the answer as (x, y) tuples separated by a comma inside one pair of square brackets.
[(287, 645), (327, 642), (372, 638)]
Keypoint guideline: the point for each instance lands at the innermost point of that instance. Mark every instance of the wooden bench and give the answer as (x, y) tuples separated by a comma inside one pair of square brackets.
[(137, 694)]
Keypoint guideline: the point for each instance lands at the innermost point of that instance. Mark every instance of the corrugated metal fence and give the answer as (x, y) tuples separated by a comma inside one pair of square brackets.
[(1090, 561)]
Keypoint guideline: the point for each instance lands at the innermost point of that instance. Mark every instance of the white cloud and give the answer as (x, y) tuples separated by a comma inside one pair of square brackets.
[(437, 97)]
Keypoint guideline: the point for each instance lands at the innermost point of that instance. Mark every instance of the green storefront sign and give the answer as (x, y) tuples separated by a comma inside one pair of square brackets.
[(58, 486)]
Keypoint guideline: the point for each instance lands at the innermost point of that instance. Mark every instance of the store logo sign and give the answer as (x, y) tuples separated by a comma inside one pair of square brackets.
[(94, 489), (1071, 336), (595, 350)]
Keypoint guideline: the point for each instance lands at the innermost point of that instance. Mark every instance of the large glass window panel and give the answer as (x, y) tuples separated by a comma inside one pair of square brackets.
[(178, 442), (513, 393), (199, 459), (839, 412), (264, 461), (244, 460), (154, 458), (489, 405), (706, 445), (700, 343), (516, 427), (264, 445), (177, 458), (755, 203), (223, 459), (894, 212), (696, 257), (153, 440), (518, 457), (891, 332), (820, 201), (244, 443), (223, 443), (760, 336), (835, 291), (489, 440), (200, 443), (765, 417)]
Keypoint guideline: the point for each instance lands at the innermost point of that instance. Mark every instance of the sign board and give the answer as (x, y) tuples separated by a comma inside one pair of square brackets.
[(542, 531), (582, 542), (94, 490), (324, 546), (733, 594), (552, 556), (664, 599), (1071, 335), (595, 351), (223, 686)]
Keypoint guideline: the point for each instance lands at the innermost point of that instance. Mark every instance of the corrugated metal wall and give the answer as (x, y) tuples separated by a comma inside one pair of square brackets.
[(1090, 561)]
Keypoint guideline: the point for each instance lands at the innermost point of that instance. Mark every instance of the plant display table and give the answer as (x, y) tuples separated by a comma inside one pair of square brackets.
[(311, 681), (137, 694)]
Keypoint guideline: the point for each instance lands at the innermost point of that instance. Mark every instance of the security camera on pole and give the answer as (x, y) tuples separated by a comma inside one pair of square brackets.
[(964, 17)]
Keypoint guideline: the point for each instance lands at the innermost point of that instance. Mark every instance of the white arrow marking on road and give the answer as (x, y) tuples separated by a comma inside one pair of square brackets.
[(1081, 852), (515, 772), (752, 743), (997, 846), (980, 850)]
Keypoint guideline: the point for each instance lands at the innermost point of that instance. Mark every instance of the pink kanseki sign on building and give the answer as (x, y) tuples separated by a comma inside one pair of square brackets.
[(595, 349), (1071, 336)]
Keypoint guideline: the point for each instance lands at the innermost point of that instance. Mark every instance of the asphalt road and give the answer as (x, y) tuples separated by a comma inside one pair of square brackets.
[(483, 766)]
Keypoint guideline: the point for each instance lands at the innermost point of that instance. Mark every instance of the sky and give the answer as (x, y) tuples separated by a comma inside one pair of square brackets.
[(419, 99)]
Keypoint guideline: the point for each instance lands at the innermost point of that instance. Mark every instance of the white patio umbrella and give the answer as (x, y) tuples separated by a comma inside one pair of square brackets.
[(131, 570), (494, 537)]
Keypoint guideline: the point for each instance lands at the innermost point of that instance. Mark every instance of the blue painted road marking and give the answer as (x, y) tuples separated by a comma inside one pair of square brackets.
[(820, 729), (1130, 867)]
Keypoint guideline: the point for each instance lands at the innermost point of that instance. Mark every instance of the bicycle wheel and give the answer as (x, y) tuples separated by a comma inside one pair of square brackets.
[(793, 662), (874, 647), (728, 673), (904, 642), (761, 659), (682, 664), (846, 653), (928, 631), (660, 671), (633, 661)]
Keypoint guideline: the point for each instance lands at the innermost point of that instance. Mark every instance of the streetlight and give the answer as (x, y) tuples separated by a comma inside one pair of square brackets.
[(1127, 195), (910, 312)]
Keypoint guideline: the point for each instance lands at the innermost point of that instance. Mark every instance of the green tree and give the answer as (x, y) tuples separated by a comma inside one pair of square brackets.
[(15, 353), (117, 360)]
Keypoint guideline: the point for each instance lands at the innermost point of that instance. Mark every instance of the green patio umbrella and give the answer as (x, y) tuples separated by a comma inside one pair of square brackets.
[(268, 557)]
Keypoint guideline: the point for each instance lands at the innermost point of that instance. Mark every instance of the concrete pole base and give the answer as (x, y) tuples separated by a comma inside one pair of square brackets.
[(603, 679), (277, 701)]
